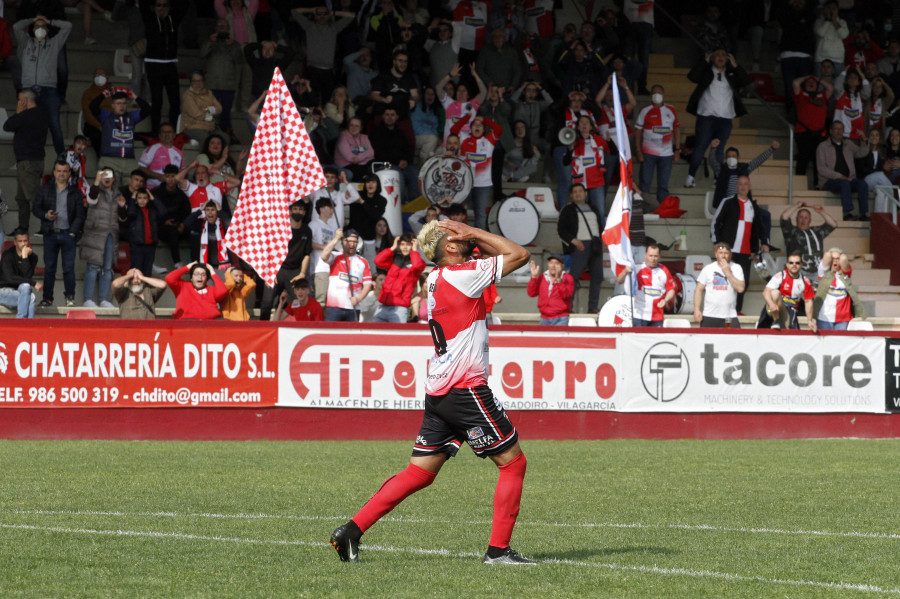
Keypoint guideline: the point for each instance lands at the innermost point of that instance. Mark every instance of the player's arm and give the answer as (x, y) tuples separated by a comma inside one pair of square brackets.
[(514, 255)]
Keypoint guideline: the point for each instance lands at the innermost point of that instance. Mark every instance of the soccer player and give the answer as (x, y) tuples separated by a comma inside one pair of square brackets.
[(459, 406)]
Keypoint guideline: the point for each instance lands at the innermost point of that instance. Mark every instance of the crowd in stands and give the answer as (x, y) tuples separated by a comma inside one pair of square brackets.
[(399, 82)]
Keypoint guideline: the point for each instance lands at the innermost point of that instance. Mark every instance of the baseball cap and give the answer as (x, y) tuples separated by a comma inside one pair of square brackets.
[(556, 257)]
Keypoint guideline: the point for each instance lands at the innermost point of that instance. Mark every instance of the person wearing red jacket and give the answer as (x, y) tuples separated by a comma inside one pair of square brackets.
[(554, 290), (404, 265), (194, 300), (477, 150)]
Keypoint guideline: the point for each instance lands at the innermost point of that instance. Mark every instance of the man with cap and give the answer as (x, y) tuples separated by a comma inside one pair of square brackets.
[(554, 289), (349, 280), (117, 131), (717, 288)]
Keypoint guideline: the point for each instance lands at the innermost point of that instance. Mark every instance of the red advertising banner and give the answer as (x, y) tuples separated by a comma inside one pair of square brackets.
[(132, 364)]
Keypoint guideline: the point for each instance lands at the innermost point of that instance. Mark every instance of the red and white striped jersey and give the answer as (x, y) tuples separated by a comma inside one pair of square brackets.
[(652, 286), (792, 290), (589, 161), (344, 283), (745, 227), (473, 16), (478, 154), (607, 125), (849, 111), (638, 11), (539, 18), (456, 316), (658, 124), (876, 113), (837, 304), (572, 117), (198, 196)]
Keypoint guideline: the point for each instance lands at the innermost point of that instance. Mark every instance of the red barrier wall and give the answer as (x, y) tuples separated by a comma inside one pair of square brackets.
[(883, 244)]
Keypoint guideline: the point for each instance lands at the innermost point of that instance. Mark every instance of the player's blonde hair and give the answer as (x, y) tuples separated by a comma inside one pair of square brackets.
[(429, 237)]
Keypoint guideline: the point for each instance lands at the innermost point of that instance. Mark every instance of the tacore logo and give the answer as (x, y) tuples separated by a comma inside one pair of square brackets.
[(665, 371), (4, 362)]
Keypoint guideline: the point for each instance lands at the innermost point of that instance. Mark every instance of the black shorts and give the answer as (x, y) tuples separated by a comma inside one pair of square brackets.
[(471, 415)]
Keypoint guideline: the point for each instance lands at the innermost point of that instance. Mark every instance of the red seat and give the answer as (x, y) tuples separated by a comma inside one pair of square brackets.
[(123, 258), (81, 315), (765, 87)]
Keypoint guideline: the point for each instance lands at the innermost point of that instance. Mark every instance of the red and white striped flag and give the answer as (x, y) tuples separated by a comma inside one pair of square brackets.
[(283, 167), (617, 232)]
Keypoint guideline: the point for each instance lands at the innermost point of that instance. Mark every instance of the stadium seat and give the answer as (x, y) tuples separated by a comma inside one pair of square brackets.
[(122, 63), (860, 325), (677, 323), (178, 124), (708, 209), (582, 321), (6, 135), (79, 127), (495, 319), (123, 258), (81, 315), (694, 263), (765, 88), (542, 198)]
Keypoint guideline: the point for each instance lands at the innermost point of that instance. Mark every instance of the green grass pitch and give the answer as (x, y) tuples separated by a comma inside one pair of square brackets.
[(605, 519)]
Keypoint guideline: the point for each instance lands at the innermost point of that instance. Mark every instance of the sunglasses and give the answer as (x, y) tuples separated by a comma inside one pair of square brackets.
[(794, 263)]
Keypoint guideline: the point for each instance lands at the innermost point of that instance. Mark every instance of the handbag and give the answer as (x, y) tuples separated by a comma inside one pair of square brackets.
[(596, 242)]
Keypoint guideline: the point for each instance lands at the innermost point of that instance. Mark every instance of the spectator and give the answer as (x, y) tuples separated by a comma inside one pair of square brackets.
[(338, 111), (579, 229), (727, 174), (837, 171), (136, 181), (40, 42), (199, 108), (837, 299), (860, 50), (529, 102), (208, 242), (224, 64), (498, 112), (471, 17), (117, 132), (804, 239), (161, 21), (404, 266), (194, 299), (738, 223), (712, 33), (384, 239), (77, 162), (830, 30), (384, 31), (100, 241), (880, 100), (580, 69), (137, 295), (715, 102), (889, 65), (263, 57), (323, 229), (175, 208), (717, 291), (570, 117), (783, 294), (353, 151), (418, 307), (396, 87), (360, 73), (606, 123), (654, 288), (321, 42), (339, 190), (349, 280), (797, 48), (874, 170), (29, 127), (476, 150), (420, 218), (60, 208), (7, 59), (639, 44), (428, 121), (295, 263), (369, 305), (811, 96), (368, 209), (17, 285), (587, 155), (554, 289), (100, 86), (158, 156), (303, 308), (143, 218), (521, 161), (239, 286), (499, 63), (200, 192), (443, 52), (657, 143), (763, 27), (460, 105), (849, 109), (224, 172), (392, 145), (239, 17)]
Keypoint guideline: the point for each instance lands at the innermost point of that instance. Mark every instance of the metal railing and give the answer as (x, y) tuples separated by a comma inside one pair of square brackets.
[(893, 199)]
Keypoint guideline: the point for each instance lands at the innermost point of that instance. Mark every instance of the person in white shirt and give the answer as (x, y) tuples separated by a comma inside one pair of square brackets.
[(657, 143), (340, 195), (717, 290), (323, 229)]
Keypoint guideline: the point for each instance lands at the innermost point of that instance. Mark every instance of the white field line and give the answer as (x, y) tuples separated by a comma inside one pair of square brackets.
[(683, 572), (637, 525)]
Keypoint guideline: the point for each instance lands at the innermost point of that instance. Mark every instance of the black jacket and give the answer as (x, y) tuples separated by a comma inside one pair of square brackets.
[(46, 200), (162, 34), (725, 224), (135, 218), (702, 75), (15, 270), (567, 225)]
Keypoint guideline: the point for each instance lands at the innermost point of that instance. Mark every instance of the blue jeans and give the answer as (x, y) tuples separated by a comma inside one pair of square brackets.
[(20, 298), (832, 326), (558, 321), (638, 322), (226, 99), (48, 99), (640, 44), (597, 199), (479, 199), (563, 174), (663, 167), (708, 128), (391, 314), (103, 270), (56, 244), (333, 314), (845, 189)]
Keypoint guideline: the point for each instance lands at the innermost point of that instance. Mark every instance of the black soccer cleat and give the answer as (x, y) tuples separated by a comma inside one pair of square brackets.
[(505, 556), (345, 540)]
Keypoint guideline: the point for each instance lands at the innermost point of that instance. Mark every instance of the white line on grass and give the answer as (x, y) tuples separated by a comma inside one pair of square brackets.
[(638, 525), (868, 588)]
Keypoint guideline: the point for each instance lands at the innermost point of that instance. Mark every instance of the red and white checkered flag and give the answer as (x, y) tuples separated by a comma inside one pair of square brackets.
[(283, 167)]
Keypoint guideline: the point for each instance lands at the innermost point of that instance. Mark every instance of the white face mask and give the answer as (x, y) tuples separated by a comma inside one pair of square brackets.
[(40, 33), (731, 162), (100, 80), (656, 98)]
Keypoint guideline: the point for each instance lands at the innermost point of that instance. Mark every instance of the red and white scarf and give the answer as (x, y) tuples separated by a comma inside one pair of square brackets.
[(220, 242)]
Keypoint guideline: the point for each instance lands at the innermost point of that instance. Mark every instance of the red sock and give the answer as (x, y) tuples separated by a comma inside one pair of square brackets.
[(392, 492), (506, 500)]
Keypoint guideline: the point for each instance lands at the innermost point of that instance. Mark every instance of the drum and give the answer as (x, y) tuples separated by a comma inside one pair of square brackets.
[(391, 184), (683, 302), (515, 218), (445, 177), (616, 312)]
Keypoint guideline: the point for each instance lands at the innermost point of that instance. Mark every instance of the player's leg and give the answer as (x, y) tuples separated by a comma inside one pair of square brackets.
[(507, 497)]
